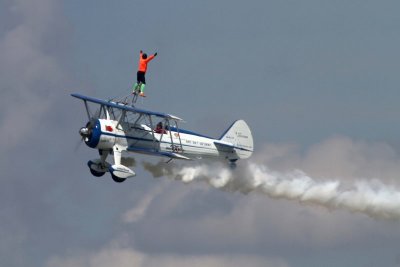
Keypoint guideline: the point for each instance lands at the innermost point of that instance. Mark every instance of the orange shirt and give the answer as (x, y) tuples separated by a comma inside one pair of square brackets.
[(143, 62)]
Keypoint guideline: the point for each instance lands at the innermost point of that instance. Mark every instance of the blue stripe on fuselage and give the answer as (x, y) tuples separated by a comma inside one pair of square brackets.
[(151, 140)]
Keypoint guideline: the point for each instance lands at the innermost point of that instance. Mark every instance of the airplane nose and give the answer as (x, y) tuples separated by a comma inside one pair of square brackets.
[(84, 132), (91, 133)]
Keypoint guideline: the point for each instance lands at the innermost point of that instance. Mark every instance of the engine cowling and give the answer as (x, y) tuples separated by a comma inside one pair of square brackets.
[(99, 134)]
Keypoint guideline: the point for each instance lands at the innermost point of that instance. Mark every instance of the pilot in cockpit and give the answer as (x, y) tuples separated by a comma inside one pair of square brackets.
[(160, 129)]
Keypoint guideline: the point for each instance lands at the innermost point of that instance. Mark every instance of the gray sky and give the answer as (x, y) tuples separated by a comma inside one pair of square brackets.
[(317, 81)]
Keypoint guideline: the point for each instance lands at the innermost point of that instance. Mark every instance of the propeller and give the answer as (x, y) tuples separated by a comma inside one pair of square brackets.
[(78, 145), (86, 131)]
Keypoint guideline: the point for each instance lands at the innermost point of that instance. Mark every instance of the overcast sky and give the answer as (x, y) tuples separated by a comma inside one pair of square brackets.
[(317, 81)]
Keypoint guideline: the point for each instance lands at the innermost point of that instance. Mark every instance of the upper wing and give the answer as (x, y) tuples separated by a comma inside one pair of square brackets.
[(125, 107)]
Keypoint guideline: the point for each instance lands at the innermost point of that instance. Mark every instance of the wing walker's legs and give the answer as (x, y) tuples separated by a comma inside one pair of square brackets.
[(136, 87), (137, 90), (142, 89)]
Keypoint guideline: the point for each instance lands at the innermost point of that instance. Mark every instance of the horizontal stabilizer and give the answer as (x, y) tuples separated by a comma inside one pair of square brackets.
[(224, 144)]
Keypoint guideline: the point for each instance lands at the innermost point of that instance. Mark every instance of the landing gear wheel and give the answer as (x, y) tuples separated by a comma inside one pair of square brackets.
[(95, 173), (232, 164), (97, 168), (117, 179)]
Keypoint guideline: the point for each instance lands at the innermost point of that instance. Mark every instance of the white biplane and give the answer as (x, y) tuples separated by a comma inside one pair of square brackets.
[(119, 127)]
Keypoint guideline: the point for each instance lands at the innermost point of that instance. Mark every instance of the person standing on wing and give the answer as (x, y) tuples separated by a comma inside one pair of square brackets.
[(143, 60)]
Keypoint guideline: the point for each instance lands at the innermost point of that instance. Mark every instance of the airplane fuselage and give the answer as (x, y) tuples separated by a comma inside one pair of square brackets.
[(117, 127), (140, 138)]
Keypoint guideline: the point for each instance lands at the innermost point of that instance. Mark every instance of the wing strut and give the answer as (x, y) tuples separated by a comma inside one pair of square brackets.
[(121, 118), (87, 109), (170, 135), (179, 135), (176, 149), (152, 133)]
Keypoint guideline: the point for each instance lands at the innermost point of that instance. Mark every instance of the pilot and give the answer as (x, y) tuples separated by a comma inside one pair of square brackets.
[(159, 128), (143, 60)]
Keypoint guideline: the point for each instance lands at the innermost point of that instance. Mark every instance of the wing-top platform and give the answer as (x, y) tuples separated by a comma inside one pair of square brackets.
[(125, 107)]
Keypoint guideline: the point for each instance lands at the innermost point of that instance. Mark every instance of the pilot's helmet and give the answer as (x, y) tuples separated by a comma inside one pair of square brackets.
[(144, 56)]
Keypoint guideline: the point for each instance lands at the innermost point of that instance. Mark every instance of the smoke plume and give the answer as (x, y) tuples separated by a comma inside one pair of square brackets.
[(370, 197)]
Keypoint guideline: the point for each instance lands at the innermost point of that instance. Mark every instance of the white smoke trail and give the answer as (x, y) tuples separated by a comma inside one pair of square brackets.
[(370, 197)]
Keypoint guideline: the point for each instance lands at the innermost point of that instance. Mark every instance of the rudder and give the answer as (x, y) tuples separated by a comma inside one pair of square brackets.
[(239, 134)]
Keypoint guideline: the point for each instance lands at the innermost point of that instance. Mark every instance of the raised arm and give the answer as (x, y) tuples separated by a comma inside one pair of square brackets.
[(151, 57)]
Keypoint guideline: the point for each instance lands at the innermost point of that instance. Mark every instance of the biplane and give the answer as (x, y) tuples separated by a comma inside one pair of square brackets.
[(118, 127)]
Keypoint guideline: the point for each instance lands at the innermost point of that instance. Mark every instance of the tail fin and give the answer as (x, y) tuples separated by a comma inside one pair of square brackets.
[(239, 135)]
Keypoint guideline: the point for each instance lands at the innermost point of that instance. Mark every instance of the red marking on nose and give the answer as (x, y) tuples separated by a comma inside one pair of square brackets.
[(109, 128)]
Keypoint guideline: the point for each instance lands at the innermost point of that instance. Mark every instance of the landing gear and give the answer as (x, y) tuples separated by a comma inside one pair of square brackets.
[(117, 179), (119, 172), (95, 173), (232, 164), (97, 168)]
